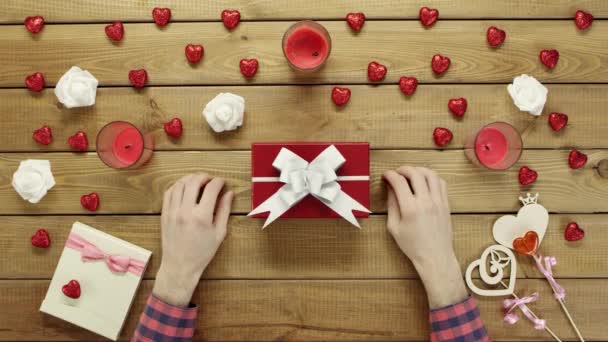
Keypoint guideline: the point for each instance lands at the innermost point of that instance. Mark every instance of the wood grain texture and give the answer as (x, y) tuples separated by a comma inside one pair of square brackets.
[(405, 48), (472, 189), (366, 310), (304, 249), (381, 115)]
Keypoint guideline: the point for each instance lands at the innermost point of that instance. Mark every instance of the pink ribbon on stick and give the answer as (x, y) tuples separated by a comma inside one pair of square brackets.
[(512, 318), (547, 271)]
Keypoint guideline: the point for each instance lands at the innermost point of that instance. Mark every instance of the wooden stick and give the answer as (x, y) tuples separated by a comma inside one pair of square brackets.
[(580, 336)]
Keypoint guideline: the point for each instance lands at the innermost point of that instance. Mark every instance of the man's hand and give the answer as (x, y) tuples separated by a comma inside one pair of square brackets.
[(419, 220), (191, 234)]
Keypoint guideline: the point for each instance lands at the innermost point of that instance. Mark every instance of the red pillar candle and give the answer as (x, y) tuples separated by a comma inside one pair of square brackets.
[(496, 146), (122, 145), (306, 45)]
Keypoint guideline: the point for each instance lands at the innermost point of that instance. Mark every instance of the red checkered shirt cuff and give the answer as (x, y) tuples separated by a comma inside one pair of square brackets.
[(165, 322), (458, 322)]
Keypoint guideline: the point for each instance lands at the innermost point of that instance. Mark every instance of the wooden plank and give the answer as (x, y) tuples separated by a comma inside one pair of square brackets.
[(187, 10), (366, 310), (304, 249), (472, 189), (405, 48), (378, 114)]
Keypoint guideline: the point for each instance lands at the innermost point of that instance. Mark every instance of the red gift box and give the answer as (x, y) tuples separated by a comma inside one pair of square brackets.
[(353, 177)]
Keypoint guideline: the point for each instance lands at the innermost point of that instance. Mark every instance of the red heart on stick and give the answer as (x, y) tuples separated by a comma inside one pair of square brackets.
[(231, 18), (528, 244), (161, 16), (41, 238), (90, 201), (71, 289), (355, 21), (35, 82), (573, 232), (428, 16), (34, 24), (115, 31), (340, 96)]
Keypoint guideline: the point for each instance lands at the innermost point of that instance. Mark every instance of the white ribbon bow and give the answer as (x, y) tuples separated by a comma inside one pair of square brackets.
[(317, 178)]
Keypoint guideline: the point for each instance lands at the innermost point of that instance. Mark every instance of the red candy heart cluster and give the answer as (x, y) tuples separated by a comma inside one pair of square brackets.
[(355, 21), (41, 239), (71, 289), (249, 67), (90, 201), (340, 96), (174, 128)]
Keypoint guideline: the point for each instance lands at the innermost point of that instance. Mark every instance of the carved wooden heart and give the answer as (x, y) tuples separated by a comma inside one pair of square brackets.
[(531, 217), (500, 258)]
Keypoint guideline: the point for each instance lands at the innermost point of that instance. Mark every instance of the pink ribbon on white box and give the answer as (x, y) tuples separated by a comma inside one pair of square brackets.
[(317, 178)]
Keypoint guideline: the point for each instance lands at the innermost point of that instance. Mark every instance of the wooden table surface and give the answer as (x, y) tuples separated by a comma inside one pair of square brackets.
[(308, 279)]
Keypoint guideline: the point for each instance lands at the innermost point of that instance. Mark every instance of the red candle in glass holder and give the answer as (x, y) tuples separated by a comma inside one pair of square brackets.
[(496, 146), (306, 45), (122, 145)]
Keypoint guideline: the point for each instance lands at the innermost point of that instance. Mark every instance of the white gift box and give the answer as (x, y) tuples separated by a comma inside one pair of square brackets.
[(106, 296)]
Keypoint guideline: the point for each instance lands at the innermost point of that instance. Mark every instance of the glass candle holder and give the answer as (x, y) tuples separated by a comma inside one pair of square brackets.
[(122, 145), (496, 146), (306, 45)]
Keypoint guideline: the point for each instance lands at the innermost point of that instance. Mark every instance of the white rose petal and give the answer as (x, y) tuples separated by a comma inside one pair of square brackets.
[(76, 88), (33, 179), (225, 112), (528, 94)]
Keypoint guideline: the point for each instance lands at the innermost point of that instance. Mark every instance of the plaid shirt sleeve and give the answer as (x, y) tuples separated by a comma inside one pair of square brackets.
[(458, 322), (164, 322)]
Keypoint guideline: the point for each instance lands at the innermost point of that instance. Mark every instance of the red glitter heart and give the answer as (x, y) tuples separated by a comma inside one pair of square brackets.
[(161, 16), (231, 18), (495, 36), (90, 201), (115, 31), (528, 244), (340, 96), (71, 289), (194, 53), (440, 64), (174, 128), (577, 159), (43, 135), (458, 106), (549, 58), (355, 21), (248, 67), (35, 82), (442, 136), (408, 85), (376, 71), (138, 77), (41, 239), (583, 19), (34, 24), (79, 141), (557, 121), (428, 16), (527, 176), (573, 232)]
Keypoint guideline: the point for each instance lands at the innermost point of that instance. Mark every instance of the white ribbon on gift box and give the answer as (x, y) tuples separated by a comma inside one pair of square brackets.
[(317, 178)]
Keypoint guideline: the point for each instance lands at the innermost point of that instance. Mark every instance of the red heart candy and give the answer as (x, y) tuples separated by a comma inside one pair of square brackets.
[(428, 16), (43, 135), (138, 77), (71, 289), (115, 31), (41, 238), (340, 96), (442, 136), (549, 58), (194, 53), (161, 16), (573, 232), (557, 121), (34, 24), (577, 159), (231, 18), (376, 71), (174, 128), (90, 201), (583, 19), (527, 176), (79, 141), (528, 244), (408, 85), (248, 67), (355, 21), (35, 82), (440, 64), (495, 36), (458, 106)]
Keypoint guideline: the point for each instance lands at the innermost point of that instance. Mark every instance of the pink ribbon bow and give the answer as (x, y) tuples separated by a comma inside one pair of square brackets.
[(547, 271), (116, 263), (512, 318)]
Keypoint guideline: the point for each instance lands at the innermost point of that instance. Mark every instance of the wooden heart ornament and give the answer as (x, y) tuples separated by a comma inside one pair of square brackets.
[(499, 259), (532, 217)]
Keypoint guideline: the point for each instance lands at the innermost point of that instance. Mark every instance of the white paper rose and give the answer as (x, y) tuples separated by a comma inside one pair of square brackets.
[(528, 94), (33, 179), (76, 88), (225, 112)]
